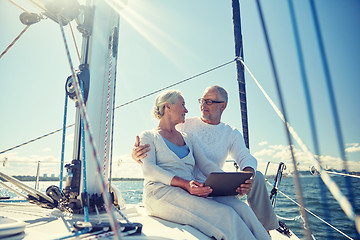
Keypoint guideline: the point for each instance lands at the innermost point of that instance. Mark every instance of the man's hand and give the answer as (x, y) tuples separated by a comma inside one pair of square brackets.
[(246, 187), (139, 151)]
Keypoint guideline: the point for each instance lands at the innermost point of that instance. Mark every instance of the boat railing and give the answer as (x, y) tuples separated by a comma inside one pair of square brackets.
[(308, 211)]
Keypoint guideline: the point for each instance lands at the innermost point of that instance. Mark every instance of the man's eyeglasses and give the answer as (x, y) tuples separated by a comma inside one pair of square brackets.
[(208, 101)]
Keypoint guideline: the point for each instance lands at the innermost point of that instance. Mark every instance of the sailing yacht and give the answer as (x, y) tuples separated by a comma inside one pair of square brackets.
[(86, 206)]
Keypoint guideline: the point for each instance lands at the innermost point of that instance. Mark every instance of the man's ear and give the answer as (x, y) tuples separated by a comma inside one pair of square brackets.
[(223, 106)]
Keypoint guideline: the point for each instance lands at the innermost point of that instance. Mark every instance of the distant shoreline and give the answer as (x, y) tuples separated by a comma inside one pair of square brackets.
[(49, 179)]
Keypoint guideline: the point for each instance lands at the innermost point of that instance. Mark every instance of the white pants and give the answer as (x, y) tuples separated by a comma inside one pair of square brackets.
[(218, 217)]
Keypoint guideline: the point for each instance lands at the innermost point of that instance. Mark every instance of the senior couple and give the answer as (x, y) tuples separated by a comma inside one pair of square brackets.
[(177, 156)]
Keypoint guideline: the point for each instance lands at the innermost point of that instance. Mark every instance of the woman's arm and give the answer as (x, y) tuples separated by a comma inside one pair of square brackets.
[(151, 170)]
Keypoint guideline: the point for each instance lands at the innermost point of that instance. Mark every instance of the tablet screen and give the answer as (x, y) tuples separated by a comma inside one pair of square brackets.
[(225, 183)]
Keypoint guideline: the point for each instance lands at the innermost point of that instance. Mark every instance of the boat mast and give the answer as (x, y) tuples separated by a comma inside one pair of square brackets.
[(240, 69)]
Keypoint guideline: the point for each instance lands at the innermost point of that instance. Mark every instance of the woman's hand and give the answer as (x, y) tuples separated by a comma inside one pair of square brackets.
[(198, 189), (193, 187)]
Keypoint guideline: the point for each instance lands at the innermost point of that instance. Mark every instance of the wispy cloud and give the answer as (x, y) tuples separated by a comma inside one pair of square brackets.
[(352, 147), (281, 153), (264, 152), (263, 143), (27, 165)]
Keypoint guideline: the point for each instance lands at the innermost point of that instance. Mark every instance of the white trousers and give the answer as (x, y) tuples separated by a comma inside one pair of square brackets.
[(219, 217)]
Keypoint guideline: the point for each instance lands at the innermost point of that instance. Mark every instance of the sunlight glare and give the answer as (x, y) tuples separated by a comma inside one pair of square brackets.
[(164, 42)]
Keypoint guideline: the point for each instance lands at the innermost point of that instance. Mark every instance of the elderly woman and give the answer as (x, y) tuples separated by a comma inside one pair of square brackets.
[(170, 191)]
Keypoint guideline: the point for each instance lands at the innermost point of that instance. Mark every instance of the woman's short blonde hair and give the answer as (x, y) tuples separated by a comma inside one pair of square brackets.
[(170, 96)]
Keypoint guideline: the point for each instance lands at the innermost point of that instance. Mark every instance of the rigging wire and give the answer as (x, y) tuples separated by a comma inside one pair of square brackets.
[(313, 214), (74, 40), (114, 224), (35, 139), (14, 41), (127, 103), (177, 83), (333, 188), (279, 92), (17, 5), (310, 109), (331, 98)]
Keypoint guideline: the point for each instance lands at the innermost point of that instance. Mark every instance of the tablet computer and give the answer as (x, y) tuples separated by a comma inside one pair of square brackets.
[(225, 183)]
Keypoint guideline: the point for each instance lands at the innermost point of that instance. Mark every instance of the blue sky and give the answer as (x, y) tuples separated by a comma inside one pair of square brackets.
[(162, 42)]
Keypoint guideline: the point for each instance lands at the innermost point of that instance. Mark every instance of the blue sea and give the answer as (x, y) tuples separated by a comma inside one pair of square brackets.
[(314, 199), (285, 208)]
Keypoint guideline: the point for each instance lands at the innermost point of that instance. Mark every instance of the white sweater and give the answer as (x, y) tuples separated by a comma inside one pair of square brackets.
[(161, 164), (217, 142)]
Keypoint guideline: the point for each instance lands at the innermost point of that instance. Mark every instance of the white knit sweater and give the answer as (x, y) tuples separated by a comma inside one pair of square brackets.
[(217, 142)]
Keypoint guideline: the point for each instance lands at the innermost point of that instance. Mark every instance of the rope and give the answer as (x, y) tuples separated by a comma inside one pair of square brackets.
[(177, 83), (82, 108), (73, 37), (13, 42), (331, 185), (313, 214), (310, 110), (86, 211), (35, 139), (109, 77), (121, 214), (17, 5), (276, 79), (113, 121), (63, 143)]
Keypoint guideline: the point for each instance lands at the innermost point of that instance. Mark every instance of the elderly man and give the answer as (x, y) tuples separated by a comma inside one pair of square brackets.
[(218, 140)]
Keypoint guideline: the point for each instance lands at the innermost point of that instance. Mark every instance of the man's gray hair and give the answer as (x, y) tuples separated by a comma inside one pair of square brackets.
[(170, 96), (222, 92)]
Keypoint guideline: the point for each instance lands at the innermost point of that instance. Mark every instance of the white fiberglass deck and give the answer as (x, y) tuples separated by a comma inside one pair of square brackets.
[(45, 224)]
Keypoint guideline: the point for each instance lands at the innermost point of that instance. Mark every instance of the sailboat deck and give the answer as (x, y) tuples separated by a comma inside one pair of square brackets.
[(52, 224)]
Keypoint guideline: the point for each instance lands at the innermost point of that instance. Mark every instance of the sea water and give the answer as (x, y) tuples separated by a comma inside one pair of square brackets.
[(286, 207)]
